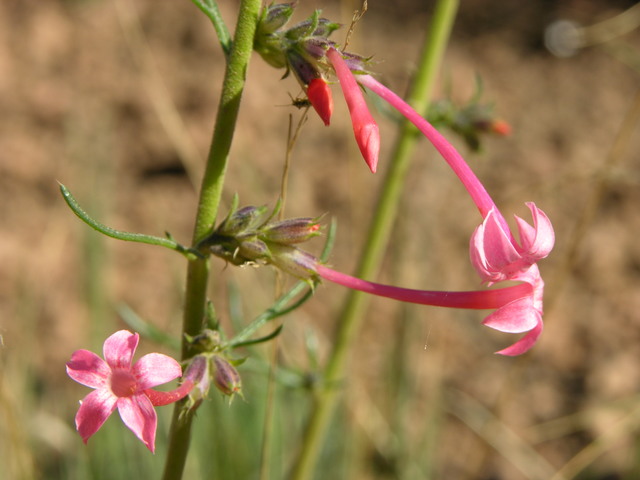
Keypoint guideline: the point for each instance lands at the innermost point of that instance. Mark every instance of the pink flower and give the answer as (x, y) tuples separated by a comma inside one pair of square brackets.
[(365, 128), (495, 253), (497, 256), (120, 385)]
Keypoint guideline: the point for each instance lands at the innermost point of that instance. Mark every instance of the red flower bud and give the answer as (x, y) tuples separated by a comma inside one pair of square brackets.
[(319, 95)]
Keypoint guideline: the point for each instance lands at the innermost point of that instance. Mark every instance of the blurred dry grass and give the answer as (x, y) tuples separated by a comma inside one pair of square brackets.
[(89, 97)]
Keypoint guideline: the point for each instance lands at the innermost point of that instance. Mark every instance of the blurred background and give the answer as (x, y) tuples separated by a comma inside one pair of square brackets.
[(116, 99)]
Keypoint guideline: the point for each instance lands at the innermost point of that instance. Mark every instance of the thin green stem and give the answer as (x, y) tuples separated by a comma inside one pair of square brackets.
[(119, 234), (377, 239), (210, 194)]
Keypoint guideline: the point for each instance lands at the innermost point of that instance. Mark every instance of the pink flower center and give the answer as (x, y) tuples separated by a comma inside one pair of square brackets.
[(123, 383)]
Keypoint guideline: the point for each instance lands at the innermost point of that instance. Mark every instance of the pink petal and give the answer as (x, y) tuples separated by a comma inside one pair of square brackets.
[(94, 411), (155, 369), (138, 415), (515, 317), (119, 348), (87, 368), (524, 344), (537, 241), (496, 243)]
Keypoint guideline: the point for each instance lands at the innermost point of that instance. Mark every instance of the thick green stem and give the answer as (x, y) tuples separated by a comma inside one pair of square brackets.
[(377, 240), (210, 193)]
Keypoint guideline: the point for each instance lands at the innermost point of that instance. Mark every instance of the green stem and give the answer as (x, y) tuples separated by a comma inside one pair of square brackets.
[(210, 194), (377, 239), (119, 234)]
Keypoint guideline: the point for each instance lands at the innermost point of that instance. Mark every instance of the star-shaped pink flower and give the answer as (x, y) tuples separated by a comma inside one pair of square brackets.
[(120, 385)]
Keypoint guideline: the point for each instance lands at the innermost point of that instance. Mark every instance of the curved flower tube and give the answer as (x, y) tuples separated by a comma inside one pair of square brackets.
[(518, 308), (120, 385)]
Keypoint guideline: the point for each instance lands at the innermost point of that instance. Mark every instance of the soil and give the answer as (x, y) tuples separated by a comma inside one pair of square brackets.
[(117, 100)]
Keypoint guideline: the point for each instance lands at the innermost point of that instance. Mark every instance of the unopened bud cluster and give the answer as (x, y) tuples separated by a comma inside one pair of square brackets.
[(249, 236), (302, 49), (211, 366)]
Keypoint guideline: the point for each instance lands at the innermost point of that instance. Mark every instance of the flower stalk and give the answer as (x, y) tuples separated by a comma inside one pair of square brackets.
[(209, 200)]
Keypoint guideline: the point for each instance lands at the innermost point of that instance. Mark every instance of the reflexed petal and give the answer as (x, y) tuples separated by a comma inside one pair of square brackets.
[(537, 241), (94, 411), (155, 369), (138, 415), (119, 348), (515, 317), (524, 344), (87, 368)]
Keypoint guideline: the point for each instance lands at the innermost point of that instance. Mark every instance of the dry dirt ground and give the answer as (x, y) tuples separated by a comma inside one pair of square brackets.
[(116, 100)]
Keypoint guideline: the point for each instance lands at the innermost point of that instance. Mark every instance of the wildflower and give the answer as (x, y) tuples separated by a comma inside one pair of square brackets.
[(120, 385), (494, 251)]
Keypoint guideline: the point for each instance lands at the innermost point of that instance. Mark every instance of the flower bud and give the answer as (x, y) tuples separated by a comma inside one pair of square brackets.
[(226, 378), (293, 261), (273, 17), (319, 94), (292, 231), (253, 250), (500, 127), (242, 220), (306, 28), (199, 373)]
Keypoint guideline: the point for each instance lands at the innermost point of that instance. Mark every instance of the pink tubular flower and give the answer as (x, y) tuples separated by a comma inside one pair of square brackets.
[(365, 128), (120, 385), (494, 251)]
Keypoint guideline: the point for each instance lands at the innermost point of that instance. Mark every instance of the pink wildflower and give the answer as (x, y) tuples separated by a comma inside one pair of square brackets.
[(365, 128), (120, 385), (494, 251)]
